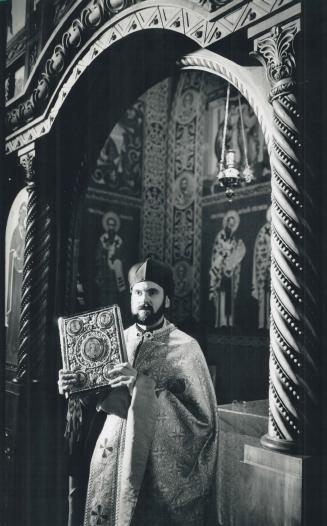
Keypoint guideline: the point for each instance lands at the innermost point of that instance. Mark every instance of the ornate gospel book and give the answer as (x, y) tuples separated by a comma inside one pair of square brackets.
[(91, 344)]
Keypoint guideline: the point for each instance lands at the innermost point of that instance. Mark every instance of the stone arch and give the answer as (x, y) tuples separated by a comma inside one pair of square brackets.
[(93, 29), (244, 80)]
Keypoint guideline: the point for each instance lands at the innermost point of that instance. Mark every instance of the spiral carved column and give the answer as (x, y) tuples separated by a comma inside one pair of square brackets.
[(35, 277), (293, 339)]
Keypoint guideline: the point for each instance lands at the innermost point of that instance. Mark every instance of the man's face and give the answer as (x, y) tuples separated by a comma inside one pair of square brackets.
[(148, 302), (230, 225), (183, 184), (181, 272), (111, 223), (231, 222)]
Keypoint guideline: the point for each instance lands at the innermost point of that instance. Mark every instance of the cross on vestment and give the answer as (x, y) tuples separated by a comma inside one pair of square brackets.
[(106, 448), (98, 515)]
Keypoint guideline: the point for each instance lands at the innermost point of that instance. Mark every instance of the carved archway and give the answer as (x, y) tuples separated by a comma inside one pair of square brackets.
[(244, 80), (91, 27)]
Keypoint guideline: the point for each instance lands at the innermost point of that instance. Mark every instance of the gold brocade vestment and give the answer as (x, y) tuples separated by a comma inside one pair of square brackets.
[(157, 466)]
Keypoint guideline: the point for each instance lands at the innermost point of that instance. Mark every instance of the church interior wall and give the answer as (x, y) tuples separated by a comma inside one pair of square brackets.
[(173, 136), (135, 190)]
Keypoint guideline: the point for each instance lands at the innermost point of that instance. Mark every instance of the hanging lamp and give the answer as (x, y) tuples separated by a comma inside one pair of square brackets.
[(228, 174)]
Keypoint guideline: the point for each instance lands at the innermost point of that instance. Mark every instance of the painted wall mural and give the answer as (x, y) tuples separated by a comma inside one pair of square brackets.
[(109, 257), (15, 245), (110, 238), (157, 101), (185, 163), (227, 254), (109, 244), (163, 203), (119, 165), (236, 264), (261, 272)]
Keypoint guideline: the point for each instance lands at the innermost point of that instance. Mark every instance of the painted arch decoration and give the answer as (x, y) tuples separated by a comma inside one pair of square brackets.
[(92, 26)]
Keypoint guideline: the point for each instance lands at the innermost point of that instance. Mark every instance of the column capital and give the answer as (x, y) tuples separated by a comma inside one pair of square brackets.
[(27, 161), (276, 52)]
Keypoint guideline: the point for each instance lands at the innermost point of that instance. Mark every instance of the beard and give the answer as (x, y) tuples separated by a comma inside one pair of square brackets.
[(146, 316)]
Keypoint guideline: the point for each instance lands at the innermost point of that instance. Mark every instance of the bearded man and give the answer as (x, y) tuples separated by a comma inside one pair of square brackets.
[(153, 459)]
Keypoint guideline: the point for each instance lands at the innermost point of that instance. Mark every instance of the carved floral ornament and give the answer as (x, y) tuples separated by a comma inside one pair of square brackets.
[(27, 162), (91, 17), (73, 47), (276, 53)]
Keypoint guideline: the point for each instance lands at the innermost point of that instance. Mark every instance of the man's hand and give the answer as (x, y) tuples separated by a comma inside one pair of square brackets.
[(123, 374), (66, 380)]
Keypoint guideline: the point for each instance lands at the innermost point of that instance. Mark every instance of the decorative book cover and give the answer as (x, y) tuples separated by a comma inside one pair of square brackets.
[(91, 344)]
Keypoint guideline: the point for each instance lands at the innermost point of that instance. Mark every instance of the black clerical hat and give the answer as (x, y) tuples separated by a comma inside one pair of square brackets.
[(152, 270)]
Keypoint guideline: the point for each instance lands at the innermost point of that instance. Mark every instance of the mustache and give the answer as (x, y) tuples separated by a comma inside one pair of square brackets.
[(145, 307)]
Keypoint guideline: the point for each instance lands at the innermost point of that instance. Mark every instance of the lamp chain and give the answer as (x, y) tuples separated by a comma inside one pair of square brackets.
[(225, 125), (243, 133)]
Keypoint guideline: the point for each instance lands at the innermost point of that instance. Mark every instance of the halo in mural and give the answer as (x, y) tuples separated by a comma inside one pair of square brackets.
[(234, 224), (184, 190), (182, 278), (187, 106), (113, 218)]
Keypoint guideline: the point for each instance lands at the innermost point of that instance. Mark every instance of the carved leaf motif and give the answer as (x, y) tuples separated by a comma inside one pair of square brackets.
[(27, 162), (285, 40), (276, 53)]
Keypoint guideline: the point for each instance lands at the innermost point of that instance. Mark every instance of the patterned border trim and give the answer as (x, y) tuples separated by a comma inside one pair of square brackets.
[(81, 39), (239, 193), (101, 195), (154, 170), (184, 215), (170, 183), (73, 238), (197, 259)]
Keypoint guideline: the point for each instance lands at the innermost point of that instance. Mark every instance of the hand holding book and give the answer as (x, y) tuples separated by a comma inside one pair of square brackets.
[(123, 374), (66, 381), (92, 344)]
